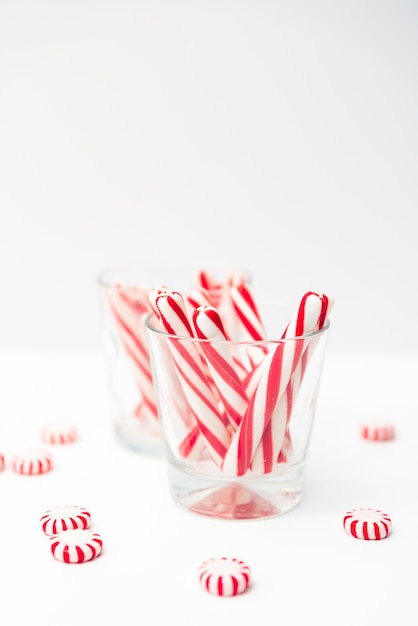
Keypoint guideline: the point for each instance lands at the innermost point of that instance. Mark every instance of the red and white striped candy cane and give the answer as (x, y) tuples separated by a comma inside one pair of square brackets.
[(153, 295), (205, 280), (219, 295), (129, 307), (297, 377), (196, 298), (276, 444), (247, 312), (225, 305), (249, 320), (193, 379), (200, 297), (208, 325), (192, 443), (277, 369)]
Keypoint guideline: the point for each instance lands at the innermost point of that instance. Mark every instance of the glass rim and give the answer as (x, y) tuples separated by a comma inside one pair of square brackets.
[(106, 276), (231, 342), (103, 275)]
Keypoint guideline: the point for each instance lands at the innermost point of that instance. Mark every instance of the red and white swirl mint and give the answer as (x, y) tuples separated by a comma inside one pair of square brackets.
[(367, 524), (63, 518), (59, 434), (383, 432), (32, 462), (76, 546), (224, 576)]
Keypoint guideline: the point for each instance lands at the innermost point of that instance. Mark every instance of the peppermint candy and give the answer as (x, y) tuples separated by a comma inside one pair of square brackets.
[(383, 432), (76, 546), (367, 524), (32, 462), (224, 576), (59, 434), (63, 518)]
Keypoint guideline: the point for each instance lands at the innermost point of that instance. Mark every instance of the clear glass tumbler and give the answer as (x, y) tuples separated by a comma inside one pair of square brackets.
[(237, 416)]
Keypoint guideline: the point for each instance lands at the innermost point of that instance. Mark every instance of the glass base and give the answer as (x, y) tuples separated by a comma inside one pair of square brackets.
[(244, 498), (134, 435)]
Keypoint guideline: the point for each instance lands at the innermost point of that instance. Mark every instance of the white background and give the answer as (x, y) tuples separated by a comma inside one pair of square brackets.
[(275, 135), (280, 136)]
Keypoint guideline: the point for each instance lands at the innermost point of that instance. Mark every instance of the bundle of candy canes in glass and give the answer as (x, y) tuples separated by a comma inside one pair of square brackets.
[(127, 304), (232, 389)]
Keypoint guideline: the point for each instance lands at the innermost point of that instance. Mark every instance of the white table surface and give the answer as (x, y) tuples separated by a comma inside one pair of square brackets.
[(305, 568)]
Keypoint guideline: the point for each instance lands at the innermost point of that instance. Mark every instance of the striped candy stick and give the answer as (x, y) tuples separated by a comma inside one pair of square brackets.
[(225, 305), (219, 295), (247, 312), (195, 298), (275, 443), (277, 369), (152, 298), (297, 377), (199, 298), (222, 366), (273, 376), (205, 280), (129, 308), (194, 381), (249, 320), (192, 443), (245, 440)]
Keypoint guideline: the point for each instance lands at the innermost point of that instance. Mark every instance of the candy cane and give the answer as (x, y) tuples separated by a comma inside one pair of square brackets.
[(204, 280), (192, 443), (129, 308), (153, 295), (277, 368), (249, 321), (208, 325), (196, 298), (275, 443), (247, 312), (218, 292), (297, 377), (194, 381)]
